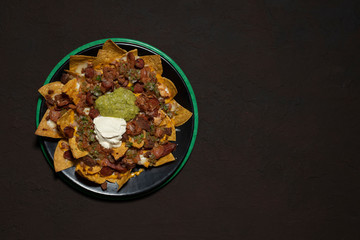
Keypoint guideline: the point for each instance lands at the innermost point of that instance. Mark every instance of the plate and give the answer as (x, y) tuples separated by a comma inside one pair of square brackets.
[(151, 179)]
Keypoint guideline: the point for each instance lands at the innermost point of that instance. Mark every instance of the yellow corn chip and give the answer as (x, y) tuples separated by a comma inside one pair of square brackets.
[(79, 62), (73, 74), (104, 57), (61, 163), (124, 178), (165, 159), (82, 171), (111, 47), (119, 178), (77, 153), (166, 88), (91, 170), (181, 114), (169, 123), (72, 89), (153, 61), (119, 151), (51, 89), (67, 119)]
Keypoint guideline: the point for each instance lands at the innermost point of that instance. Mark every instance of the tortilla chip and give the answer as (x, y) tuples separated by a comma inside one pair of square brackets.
[(116, 51), (82, 171), (73, 74), (78, 62), (67, 119), (47, 128), (165, 159), (120, 179), (72, 89), (181, 114), (92, 170), (119, 151), (105, 57), (61, 163), (153, 61), (169, 123), (110, 54), (134, 52), (76, 152), (125, 177), (172, 137), (51, 89), (166, 88)]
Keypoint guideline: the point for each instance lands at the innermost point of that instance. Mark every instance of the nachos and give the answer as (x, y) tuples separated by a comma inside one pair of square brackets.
[(111, 113)]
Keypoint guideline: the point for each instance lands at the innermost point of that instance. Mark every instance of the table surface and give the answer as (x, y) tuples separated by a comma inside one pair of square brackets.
[(277, 152)]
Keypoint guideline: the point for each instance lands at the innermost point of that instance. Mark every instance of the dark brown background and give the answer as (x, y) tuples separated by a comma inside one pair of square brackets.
[(277, 152)]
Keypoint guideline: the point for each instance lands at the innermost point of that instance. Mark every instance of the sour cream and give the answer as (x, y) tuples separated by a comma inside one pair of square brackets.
[(109, 131)]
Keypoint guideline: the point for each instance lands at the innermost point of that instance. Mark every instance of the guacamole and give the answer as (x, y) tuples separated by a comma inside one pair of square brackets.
[(120, 104)]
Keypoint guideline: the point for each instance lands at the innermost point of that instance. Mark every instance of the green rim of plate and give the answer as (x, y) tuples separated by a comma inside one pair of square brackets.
[(183, 76)]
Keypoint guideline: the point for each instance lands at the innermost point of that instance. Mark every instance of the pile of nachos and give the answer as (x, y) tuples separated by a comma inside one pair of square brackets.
[(112, 113)]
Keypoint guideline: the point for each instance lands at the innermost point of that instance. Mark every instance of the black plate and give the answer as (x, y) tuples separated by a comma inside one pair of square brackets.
[(151, 179)]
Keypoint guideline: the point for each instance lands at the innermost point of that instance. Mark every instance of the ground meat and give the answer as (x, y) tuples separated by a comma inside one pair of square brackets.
[(168, 131), (148, 103), (49, 100), (125, 137), (163, 150), (116, 166), (143, 122), (131, 59), (110, 74), (106, 171), (88, 161), (81, 105), (139, 63), (89, 72), (104, 186), (68, 155), (126, 82), (137, 125), (94, 113), (72, 106), (145, 75), (138, 88), (107, 85), (54, 115), (69, 132), (147, 154), (149, 142), (159, 132), (132, 128), (122, 80), (129, 163), (89, 99), (62, 100)]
